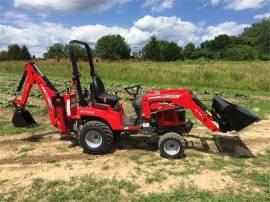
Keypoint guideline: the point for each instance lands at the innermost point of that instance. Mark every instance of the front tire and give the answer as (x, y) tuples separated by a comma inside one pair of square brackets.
[(171, 145), (96, 137)]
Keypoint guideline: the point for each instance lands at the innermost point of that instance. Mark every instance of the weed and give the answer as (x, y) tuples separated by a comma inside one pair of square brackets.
[(136, 158), (62, 149), (217, 164), (156, 176), (105, 167), (87, 162), (51, 161), (26, 149), (260, 179)]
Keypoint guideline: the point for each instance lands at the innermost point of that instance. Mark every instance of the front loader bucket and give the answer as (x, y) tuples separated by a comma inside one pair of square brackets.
[(230, 116), (22, 118)]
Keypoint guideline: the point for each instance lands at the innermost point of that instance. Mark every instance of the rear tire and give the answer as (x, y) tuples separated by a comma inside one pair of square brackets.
[(96, 137), (171, 145)]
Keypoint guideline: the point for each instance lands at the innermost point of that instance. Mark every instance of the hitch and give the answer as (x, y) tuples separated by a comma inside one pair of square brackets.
[(22, 118), (230, 116)]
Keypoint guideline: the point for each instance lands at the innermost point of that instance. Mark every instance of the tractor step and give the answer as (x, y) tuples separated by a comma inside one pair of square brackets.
[(22, 118), (130, 121)]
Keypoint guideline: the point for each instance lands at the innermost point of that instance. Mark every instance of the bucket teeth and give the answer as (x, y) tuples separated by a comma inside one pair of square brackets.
[(22, 118)]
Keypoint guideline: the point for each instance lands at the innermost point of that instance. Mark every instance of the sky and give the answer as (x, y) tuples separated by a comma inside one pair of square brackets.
[(40, 23)]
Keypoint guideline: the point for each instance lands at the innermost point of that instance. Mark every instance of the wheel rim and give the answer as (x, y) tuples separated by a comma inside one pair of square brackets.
[(172, 147), (93, 139)]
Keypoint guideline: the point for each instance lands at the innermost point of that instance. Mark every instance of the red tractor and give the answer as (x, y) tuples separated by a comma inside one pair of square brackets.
[(96, 116)]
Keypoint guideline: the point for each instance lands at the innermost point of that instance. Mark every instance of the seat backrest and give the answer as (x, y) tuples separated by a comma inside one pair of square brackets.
[(97, 86)]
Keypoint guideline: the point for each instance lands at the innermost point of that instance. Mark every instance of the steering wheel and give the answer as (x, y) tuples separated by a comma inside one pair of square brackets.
[(133, 90)]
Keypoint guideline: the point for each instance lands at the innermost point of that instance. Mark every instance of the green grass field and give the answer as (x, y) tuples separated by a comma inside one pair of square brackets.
[(252, 76)]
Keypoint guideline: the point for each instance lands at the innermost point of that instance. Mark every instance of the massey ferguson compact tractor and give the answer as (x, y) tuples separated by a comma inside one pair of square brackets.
[(96, 116)]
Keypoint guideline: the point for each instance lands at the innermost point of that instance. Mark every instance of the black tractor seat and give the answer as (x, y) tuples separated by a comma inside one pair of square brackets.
[(107, 99), (99, 94)]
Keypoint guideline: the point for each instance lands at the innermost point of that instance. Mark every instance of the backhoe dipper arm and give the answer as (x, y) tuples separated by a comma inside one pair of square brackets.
[(54, 102)]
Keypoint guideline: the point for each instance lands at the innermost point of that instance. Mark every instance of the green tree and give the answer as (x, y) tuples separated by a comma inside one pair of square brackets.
[(3, 55), (169, 51), (79, 51), (258, 36), (220, 43), (56, 51), (189, 51), (14, 52), (112, 47), (25, 54), (151, 51), (240, 52)]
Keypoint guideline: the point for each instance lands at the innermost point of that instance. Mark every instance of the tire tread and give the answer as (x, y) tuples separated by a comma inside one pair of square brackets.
[(106, 130)]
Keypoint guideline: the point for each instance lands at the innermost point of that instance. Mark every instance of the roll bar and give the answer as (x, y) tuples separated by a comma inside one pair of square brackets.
[(75, 72)]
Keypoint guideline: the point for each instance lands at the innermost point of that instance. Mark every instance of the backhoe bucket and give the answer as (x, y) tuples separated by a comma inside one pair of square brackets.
[(22, 118), (230, 116)]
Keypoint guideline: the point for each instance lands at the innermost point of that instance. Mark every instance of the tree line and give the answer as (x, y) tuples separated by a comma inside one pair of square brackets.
[(252, 44), (15, 52)]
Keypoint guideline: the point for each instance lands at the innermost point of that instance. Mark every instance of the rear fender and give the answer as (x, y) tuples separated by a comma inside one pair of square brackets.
[(113, 118)]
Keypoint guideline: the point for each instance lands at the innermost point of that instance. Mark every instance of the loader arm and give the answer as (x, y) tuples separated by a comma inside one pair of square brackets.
[(223, 116), (55, 103), (182, 98)]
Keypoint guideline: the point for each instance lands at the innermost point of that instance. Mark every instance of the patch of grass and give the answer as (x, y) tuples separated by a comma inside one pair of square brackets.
[(26, 149), (62, 149), (85, 188), (193, 154), (217, 164), (51, 161), (156, 176), (3, 181), (193, 194), (105, 167), (257, 106), (187, 171), (169, 162), (87, 162), (260, 179), (262, 160), (128, 186), (137, 158), (7, 128)]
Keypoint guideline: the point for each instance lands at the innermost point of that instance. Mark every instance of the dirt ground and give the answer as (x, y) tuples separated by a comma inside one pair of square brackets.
[(46, 155)]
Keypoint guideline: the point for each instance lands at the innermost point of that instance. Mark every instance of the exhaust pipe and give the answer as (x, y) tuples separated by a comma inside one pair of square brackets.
[(22, 118), (230, 116)]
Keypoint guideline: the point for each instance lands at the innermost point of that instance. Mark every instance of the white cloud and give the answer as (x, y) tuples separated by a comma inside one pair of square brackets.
[(158, 5), (241, 4), (68, 5), (15, 15), (262, 16), (244, 4), (168, 28), (40, 35), (229, 28), (215, 2)]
